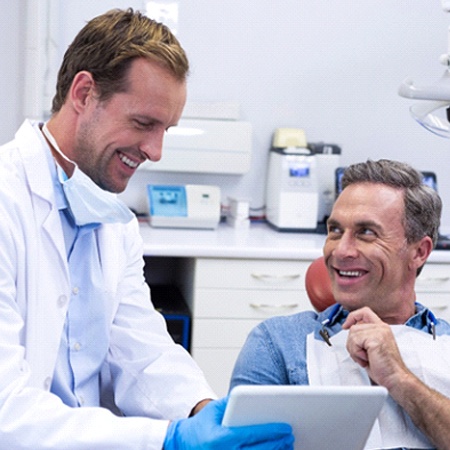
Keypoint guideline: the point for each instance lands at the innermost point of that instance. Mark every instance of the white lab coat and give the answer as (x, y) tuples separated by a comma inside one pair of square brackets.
[(151, 376)]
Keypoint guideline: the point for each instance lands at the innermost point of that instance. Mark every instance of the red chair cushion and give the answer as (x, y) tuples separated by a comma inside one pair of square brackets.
[(318, 285)]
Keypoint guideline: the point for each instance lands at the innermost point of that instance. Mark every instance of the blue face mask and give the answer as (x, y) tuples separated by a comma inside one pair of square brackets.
[(87, 201)]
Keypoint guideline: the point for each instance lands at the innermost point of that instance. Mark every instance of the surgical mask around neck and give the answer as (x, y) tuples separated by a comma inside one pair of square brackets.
[(88, 203)]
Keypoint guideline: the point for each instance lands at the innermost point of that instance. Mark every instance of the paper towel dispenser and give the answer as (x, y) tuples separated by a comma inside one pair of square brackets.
[(205, 146)]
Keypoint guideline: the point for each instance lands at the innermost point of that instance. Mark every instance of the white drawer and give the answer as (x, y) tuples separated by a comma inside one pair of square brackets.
[(223, 333), (437, 302), (217, 365), (434, 278), (250, 273), (248, 304)]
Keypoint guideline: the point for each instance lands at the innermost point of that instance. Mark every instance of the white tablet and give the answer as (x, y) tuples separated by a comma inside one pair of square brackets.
[(322, 417)]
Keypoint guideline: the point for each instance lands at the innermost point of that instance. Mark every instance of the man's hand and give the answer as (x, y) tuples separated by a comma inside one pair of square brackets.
[(199, 406), (372, 345)]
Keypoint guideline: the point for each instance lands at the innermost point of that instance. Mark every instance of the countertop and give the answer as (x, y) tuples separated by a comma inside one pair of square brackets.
[(259, 241)]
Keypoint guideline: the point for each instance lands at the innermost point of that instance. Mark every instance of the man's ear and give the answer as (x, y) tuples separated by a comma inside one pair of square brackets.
[(423, 249), (82, 90)]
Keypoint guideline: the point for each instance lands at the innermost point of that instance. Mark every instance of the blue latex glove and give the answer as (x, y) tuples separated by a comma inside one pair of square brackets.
[(205, 431)]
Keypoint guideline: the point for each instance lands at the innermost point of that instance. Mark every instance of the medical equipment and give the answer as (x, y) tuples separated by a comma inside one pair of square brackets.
[(238, 213), (205, 146), (188, 206), (292, 197), (323, 331), (300, 189), (88, 202), (432, 324), (292, 190), (434, 114)]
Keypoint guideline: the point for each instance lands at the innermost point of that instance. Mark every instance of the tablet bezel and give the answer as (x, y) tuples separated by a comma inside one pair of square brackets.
[(322, 417)]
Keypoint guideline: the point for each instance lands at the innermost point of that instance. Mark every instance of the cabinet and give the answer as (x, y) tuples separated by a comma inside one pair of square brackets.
[(230, 297), (433, 289)]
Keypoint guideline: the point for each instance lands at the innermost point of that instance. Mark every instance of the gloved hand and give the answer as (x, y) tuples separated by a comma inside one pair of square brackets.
[(205, 431)]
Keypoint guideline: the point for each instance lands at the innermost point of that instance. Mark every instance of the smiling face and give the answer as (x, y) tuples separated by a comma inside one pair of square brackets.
[(367, 254), (113, 137)]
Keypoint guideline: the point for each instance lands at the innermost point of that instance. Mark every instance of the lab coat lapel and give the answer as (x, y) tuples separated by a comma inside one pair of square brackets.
[(49, 288), (40, 184)]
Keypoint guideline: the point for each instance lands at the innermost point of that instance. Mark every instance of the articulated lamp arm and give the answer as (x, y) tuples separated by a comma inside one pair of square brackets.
[(434, 115)]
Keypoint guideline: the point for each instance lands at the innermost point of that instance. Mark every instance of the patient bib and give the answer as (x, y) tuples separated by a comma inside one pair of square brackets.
[(428, 359)]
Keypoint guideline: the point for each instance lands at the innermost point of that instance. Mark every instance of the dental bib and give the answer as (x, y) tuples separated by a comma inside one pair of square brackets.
[(428, 359), (88, 203)]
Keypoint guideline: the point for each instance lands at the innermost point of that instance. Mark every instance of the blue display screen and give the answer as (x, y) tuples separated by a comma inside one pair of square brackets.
[(167, 201), (428, 178), (299, 171)]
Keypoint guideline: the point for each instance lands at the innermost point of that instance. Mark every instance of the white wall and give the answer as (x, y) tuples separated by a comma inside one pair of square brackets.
[(11, 67), (331, 67)]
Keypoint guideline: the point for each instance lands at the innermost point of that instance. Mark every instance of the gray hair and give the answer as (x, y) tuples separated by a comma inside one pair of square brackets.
[(423, 206)]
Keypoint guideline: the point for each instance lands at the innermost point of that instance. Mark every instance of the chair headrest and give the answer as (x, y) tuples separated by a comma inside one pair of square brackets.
[(318, 285)]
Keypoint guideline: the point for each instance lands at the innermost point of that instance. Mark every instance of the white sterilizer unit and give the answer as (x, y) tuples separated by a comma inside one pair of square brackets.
[(292, 196)]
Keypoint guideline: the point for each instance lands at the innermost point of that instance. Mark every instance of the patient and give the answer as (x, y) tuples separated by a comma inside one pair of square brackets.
[(381, 231)]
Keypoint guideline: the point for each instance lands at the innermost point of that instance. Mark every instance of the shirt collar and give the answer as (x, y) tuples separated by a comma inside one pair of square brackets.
[(336, 315), (333, 314), (422, 319), (60, 198)]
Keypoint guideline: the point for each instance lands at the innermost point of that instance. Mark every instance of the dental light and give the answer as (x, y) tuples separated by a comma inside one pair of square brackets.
[(434, 113)]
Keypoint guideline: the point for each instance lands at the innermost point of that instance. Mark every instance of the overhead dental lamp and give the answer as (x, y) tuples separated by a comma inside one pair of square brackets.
[(434, 112)]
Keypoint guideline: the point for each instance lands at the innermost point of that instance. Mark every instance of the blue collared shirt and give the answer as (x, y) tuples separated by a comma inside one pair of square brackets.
[(85, 337), (275, 350)]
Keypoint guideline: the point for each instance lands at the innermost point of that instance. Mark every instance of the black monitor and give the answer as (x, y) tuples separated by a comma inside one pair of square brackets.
[(429, 178)]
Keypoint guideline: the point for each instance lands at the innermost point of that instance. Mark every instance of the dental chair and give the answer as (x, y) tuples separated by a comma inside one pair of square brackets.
[(318, 285)]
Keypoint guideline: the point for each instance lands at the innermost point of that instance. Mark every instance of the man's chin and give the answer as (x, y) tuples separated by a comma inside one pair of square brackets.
[(349, 302)]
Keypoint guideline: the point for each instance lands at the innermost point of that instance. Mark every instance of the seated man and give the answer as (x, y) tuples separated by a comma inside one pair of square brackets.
[(381, 231)]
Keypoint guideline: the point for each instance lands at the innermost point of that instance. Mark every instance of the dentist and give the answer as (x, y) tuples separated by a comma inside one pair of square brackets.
[(85, 360)]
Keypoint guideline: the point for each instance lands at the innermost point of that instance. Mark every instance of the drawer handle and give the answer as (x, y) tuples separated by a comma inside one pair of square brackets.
[(275, 278), (439, 307), (279, 307), (430, 280)]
